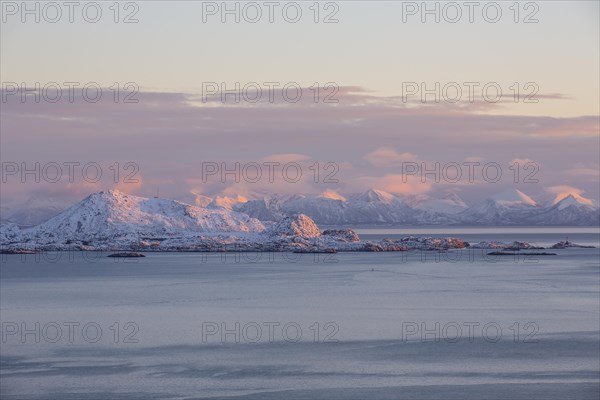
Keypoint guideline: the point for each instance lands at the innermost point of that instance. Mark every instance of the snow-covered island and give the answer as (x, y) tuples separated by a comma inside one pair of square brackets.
[(115, 221)]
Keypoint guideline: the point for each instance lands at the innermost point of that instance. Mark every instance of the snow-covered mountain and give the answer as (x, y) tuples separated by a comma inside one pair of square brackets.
[(271, 208), (371, 207), (34, 211), (451, 203), (513, 198), (368, 208), (112, 216), (436, 211), (377, 206), (372, 196), (506, 208), (114, 210), (321, 208), (514, 207), (510, 207), (567, 199), (113, 220), (571, 209)]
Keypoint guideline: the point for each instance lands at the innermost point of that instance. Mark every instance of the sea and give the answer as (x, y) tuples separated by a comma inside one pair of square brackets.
[(459, 324)]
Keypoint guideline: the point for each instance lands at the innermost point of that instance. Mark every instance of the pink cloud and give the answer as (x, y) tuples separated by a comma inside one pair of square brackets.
[(388, 157)]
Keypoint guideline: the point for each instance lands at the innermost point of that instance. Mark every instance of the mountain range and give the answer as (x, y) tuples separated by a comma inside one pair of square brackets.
[(376, 207), (373, 207), (116, 221), (113, 220)]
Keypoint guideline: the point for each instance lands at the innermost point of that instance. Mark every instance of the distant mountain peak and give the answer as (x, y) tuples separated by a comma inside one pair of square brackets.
[(513, 197), (450, 203), (109, 193), (227, 202), (572, 199), (453, 197), (331, 195), (376, 195)]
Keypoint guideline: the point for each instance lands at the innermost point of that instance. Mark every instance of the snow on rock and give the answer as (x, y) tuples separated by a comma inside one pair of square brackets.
[(299, 225), (430, 243), (9, 233), (392, 245), (345, 234)]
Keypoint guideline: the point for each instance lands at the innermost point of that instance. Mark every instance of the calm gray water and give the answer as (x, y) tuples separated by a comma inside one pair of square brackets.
[(411, 325)]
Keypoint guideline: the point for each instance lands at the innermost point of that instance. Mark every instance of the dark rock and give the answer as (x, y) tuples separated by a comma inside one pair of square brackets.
[(371, 247), (316, 251), (17, 251), (390, 245), (126, 254), (512, 253), (566, 245)]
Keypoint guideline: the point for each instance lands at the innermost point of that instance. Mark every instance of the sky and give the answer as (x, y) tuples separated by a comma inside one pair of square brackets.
[(372, 62)]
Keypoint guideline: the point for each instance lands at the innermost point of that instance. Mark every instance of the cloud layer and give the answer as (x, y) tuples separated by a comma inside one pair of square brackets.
[(368, 138)]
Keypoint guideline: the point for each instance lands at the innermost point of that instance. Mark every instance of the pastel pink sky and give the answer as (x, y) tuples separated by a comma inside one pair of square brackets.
[(169, 137), (370, 133)]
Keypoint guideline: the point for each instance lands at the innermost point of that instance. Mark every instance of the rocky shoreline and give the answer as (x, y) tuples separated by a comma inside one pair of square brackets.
[(291, 235)]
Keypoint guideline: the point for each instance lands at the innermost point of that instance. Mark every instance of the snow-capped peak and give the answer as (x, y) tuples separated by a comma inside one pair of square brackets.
[(200, 200), (375, 195), (572, 199), (331, 195), (513, 197), (448, 204), (227, 202), (454, 198)]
